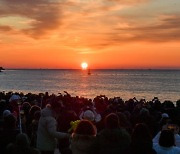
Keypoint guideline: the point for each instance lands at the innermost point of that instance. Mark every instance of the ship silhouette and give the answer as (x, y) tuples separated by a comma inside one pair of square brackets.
[(89, 72), (1, 68)]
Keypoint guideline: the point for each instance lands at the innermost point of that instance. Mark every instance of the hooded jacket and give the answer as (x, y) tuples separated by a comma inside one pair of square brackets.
[(81, 144), (47, 134)]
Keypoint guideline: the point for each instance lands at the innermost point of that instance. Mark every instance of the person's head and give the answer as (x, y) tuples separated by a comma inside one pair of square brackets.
[(88, 115), (164, 121), (22, 140), (34, 109), (122, 119), (141, 131), (10, 122), (141, 140), (164, 115), (6, 113), (144, 112), (85, 127), (37, 115), (112, 121), (178, 103), (56, 106), (167, 138), (26, 107)]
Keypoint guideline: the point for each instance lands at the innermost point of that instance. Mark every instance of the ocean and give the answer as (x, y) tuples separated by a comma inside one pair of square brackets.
[(142, 84)]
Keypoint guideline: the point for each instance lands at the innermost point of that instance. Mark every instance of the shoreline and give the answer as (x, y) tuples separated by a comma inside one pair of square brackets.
[(64, 93)]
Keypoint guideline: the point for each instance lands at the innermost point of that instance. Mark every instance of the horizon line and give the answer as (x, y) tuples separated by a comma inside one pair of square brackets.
[(92, 69)]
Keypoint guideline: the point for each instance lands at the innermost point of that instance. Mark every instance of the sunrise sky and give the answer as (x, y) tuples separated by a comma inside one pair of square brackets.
[(104, 33)]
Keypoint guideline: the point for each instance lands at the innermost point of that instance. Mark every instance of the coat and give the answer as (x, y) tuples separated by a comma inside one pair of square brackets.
[(111, 141), (164, 150), (47, 134)]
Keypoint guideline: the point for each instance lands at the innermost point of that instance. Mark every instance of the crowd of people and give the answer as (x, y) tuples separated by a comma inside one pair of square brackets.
[(40, 123)]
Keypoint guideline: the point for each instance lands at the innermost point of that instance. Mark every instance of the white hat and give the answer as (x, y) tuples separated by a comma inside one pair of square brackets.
[(6, 113), (165, 115), (89, 115), (98, 118), (14, 97)]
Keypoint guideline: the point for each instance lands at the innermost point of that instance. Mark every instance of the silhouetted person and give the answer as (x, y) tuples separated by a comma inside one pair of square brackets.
[(141, 140), (9, 132), (47, 129), (83, 137), (112, 139), (21, 146), (166, 143)]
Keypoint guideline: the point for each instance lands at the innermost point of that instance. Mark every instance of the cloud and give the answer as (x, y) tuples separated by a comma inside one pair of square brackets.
[(5, 28), (99, 20), (166, 29), (128, 2), (46, 14)]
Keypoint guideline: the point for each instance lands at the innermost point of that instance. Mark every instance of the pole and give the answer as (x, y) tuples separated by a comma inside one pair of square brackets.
[(20, 122), (41, 100)]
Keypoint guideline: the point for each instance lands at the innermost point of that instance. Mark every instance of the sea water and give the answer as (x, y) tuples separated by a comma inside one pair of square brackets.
[(142, 84)]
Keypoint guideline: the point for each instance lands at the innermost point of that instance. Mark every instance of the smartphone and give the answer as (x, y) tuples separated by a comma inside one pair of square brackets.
[(172, 127)]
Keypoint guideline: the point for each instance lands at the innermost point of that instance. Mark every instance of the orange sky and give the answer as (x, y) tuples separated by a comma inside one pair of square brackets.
[(104, 33)]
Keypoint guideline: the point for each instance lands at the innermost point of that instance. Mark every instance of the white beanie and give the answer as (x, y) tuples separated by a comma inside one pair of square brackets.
[(165, 115), (6, 113), (89, 115), (14, 97)]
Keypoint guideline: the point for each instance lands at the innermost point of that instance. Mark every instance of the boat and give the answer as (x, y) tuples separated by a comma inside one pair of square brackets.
[(89, 72), (1, 68)]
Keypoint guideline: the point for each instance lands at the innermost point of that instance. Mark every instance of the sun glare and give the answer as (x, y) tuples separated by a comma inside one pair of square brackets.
[(84, 65)]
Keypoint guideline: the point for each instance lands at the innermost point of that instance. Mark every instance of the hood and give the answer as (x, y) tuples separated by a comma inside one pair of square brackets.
[(82, 142), (22, 140), (46, 112)]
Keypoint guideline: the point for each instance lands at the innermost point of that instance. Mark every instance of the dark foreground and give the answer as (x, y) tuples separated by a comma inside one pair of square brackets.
[(133, 123)]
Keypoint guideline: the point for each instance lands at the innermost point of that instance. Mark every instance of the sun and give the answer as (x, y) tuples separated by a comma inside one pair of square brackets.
[(84, 65)]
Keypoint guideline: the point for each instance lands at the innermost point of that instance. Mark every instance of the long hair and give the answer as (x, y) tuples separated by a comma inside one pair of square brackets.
[(85, 127), (167, 138), (141, 140), (141, 131), (112, 121), (10, 122)]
